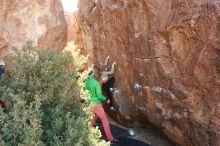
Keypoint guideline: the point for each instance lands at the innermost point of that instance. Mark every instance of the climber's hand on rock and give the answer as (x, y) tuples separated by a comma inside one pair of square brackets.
[(108, 101), (114, 63)]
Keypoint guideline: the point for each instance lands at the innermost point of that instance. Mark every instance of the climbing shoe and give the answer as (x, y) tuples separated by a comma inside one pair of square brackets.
[(113, 89), (112, 109)]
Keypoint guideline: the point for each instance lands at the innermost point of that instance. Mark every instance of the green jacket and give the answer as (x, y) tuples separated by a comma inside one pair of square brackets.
[(94, 88)]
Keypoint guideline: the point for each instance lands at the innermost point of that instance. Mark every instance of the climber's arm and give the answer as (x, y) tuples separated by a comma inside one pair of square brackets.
[(112, 69), (98, 92), (106, 60)]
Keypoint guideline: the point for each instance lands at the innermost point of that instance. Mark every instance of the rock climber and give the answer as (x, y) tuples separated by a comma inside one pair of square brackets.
[(107, 81), (3, 103), (2, 67)]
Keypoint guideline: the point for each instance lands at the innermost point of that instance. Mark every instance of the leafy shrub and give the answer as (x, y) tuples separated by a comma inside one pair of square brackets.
[(44, 105)]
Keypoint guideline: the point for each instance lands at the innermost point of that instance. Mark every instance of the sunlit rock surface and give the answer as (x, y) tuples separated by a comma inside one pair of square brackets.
[(168, 62), (41, 21), (74, 30)]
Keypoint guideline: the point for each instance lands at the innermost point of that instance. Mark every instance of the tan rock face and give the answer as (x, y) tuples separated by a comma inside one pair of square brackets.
[(41, 21), (74, 30), (168, 62)]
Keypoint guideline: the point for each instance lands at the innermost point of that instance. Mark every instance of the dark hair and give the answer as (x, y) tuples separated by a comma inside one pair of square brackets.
[(91, 73)]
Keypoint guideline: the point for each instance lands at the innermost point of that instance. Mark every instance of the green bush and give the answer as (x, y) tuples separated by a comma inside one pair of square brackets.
[(44, 105)]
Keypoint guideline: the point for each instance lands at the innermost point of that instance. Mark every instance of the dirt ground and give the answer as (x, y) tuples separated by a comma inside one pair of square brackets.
[(148, 135)]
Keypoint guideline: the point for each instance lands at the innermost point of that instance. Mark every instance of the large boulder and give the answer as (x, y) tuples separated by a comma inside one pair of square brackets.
[(40, 21), (168, 62)]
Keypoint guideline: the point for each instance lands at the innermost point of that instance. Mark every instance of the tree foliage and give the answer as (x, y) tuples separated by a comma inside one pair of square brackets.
[(44, 105)]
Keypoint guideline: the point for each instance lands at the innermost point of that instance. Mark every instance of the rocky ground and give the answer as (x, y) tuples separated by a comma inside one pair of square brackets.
[(148, 135)]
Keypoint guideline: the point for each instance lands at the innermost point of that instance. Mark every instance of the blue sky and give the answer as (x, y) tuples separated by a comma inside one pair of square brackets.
[(69, 5)]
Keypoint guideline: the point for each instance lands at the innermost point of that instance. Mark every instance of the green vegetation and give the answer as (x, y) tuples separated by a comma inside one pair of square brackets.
[(44, 104)]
